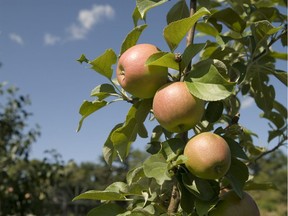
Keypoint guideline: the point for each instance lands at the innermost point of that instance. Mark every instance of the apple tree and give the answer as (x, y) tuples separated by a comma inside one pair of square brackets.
[(231, 50)]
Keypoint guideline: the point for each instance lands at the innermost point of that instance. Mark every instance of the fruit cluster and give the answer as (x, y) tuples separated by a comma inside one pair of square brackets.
[(177, 110)]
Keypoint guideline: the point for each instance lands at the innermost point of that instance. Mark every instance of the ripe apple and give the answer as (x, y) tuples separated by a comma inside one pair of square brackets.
[(135, 77), (176, 109), (231, 204), (208, 156)]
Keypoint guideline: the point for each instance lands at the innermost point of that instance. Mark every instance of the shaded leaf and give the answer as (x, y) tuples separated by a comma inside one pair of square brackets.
[(103, 63), (189, 52), (237, 175), (214, 111), (83, 59), (236, 149), (252, 185), (132, 38), (109, 152), (107, 209), (230, 18), (179, 11), (176, 31), (136, 16)]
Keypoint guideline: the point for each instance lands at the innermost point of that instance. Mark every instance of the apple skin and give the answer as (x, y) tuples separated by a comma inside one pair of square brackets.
[(135, 77), (208, 156), (176, 109), (231, 204)]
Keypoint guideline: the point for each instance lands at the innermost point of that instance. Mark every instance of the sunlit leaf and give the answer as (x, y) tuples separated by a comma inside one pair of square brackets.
[(207, 29), (132, 38), (163, 59), (101, 195), (102, 91), (156, 167), (176, 31), (87, 108), (136, 16), (206, 83), (145, 5), (103, 63)]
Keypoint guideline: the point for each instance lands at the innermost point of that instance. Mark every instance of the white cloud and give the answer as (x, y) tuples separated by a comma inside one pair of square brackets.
[(247, 102), (16, 38), (89, 18), (50, 39)]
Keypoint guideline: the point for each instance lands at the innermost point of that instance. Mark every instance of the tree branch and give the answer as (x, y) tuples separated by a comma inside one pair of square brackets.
[(175, 195)]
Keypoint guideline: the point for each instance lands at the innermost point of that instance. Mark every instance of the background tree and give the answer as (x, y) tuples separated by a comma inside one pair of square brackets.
[(236, 56)]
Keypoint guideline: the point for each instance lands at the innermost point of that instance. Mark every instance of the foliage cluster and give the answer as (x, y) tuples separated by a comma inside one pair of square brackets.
[(235, 58)]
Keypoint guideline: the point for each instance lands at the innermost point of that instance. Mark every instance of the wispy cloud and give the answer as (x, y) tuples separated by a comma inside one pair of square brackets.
[(247, 102), (50, 39), (88, 18), (16, 38)]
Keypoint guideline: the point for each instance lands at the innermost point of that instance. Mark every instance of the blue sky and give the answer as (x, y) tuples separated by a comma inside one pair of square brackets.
[(40, 41)]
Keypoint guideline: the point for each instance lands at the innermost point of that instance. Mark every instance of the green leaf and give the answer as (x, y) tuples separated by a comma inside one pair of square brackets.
[(103, 63), (145, 5), (263, 94), (136, 16), (206, 29), (206, 83), (87, 108), (236, 149), (172, 148), (156, 167), (176, 31), (230, 18), (101, 195), (202, 207), (83, 59), (275, 118), (252, 185), (103, 91), (281, 76), (135, 175), (278, 55), (109, 152), (189, 53), (204, 190), (123, 137), (237, 175), (263, 28), (107, 209), (132, 38), (179, 11), (214, 111), (163, 59)]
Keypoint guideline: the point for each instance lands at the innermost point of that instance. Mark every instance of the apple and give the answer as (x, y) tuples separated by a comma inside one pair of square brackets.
[(208, 156), (176, 109), (135, 77), (231, 204)]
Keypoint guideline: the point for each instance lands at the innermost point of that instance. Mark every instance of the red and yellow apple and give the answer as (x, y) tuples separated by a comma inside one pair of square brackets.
[(176, 109), (135, 77), (208, 156)]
